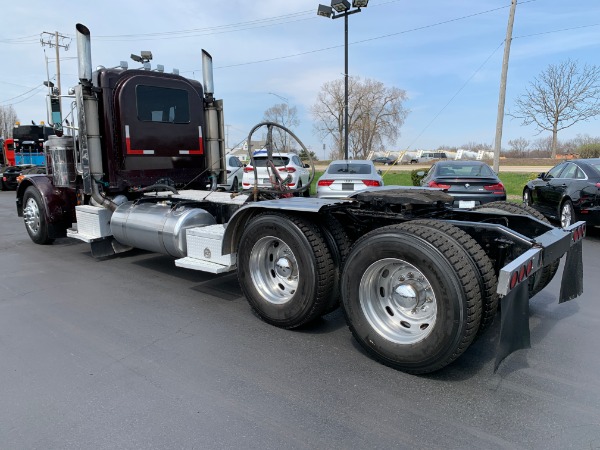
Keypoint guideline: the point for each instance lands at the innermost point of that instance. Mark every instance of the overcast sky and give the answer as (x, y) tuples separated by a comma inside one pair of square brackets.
[(447, 55)]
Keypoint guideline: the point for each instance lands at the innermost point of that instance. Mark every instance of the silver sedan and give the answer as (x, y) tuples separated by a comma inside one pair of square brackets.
[(345, 177)]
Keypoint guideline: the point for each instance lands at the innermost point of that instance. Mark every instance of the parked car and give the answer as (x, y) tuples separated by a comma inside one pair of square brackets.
[(235, 173), (11, 174), (568, 192), (427, 157), (385, 160), (471, 183), (286, 164), (345, 177)]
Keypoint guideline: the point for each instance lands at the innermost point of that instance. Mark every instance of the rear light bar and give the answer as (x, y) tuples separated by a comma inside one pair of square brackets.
[(248, 169), (287, 169), (578, 231), (371, 183), (519, 270)]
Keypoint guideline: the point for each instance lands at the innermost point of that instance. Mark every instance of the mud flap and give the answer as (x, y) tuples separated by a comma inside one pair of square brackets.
[(571, 285), (108, 246), (514, 327)]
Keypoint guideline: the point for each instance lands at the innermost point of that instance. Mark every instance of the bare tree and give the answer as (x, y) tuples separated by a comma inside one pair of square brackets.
[(375, 115), (560, 97), (518, 147), (542, 147), (8, 117), (286, 116)]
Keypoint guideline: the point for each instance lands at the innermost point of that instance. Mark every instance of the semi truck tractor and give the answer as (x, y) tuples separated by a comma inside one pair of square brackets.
[(418, 281)]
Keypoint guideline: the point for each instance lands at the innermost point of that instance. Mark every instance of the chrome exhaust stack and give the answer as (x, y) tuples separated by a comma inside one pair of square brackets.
[(89, 122), (215, 125)]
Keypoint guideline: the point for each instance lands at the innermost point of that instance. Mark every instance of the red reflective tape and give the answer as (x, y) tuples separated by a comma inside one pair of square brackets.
[(129, 149)]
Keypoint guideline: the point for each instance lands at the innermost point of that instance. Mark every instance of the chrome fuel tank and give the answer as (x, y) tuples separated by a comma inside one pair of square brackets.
[(157, 227)]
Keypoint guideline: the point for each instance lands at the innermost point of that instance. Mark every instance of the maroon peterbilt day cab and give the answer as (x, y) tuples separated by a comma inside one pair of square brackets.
[(143, 167)]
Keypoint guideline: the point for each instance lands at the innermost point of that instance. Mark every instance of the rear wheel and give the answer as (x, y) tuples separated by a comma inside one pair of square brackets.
[(285, 269), (35, 217), (542, 278), (481, 264), (339, 246), (567, 214), (235, 186), (527, 197), (410, 298)]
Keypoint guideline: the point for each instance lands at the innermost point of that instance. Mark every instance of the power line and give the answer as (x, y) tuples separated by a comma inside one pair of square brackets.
[(456, 94), (34, 92)]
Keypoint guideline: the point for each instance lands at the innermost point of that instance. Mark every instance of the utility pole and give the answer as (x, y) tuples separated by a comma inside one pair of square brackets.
[(58, 41), (502, 97)]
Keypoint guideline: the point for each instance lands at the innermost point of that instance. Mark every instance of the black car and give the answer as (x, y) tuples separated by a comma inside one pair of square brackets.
[(568, 192), (471, 183), (384, 160), (9, 180)]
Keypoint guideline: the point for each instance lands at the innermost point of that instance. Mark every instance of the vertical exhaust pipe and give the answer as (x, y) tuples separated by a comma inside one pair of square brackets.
[(207, 74), (215, 129), (84, 52), (89, 122)]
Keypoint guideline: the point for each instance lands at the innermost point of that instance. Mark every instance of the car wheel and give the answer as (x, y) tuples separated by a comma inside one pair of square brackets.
[(567, 214), (235, 186), (527, 197), (35, 217)]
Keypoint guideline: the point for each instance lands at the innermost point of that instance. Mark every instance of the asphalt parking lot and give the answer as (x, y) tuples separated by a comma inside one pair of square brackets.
[(133, 352)]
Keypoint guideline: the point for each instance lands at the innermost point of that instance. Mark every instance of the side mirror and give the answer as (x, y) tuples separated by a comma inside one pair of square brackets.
[(306, 166), (379, 172), (542, 175)]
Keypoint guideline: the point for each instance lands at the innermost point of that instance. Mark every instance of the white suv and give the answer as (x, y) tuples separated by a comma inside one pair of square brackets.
[(286, 164)]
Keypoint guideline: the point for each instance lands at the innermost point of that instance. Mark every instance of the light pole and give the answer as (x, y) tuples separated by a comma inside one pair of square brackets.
[(342, 8)]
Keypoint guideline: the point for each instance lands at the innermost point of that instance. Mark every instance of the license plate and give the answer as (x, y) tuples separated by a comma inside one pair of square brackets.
[(466, 204), (266, 180), (347, 186)]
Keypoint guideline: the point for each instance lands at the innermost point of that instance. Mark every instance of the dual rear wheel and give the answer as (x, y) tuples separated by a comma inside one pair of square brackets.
[(408, 291)]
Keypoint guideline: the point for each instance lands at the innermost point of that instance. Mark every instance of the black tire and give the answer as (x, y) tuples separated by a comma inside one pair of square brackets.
[(339, 246), (34, 216), (481, 264), (235, 186), (427, 321), (567, 214), (285, 269), (543, 277), (527, 200)]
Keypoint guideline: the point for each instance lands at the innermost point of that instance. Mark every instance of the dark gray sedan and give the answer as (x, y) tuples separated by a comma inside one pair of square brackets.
[(471, 183)]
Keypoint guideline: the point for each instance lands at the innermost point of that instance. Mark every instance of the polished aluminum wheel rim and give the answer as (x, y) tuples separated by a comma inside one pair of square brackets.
[(31, 215), (398, 301), (274, 270), (566, 216)]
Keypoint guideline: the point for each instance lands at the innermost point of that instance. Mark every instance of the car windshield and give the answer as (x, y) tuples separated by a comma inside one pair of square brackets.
[(350, 168), (465, 170), (261, 161)]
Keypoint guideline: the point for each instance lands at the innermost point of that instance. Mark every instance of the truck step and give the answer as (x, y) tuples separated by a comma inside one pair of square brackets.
[(202, 265)]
